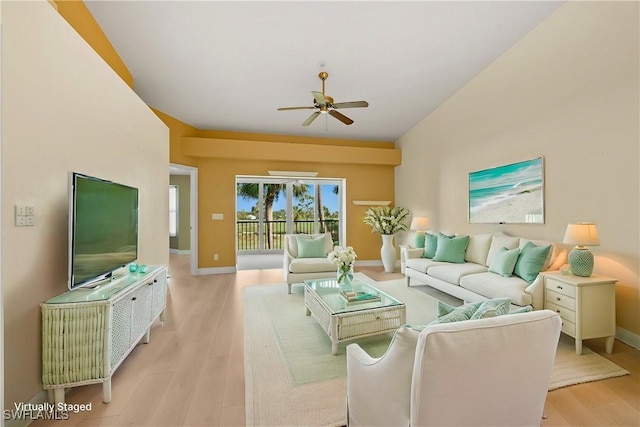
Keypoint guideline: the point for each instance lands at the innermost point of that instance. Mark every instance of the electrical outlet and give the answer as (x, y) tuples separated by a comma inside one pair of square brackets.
[(20, 211), (21, 221), (215, 257), (29, 211), (29, 221)]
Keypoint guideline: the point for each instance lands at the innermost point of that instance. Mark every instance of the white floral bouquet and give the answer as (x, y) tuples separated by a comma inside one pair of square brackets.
[(386, 220), (343, 258)]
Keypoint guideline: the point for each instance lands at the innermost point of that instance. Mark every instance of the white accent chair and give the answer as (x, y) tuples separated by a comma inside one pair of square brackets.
[(492, 371), (297, 270)]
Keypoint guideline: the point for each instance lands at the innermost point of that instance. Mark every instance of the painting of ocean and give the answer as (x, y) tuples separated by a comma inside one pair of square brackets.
[(509, 194)]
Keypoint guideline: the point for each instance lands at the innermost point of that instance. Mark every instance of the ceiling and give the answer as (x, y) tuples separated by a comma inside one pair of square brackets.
[(230, 65)]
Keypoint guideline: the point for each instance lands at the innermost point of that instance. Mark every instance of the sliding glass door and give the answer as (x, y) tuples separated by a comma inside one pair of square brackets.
[(267, 208)]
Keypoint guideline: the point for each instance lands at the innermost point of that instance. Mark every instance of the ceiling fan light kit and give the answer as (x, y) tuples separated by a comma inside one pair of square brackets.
[(326, 105)]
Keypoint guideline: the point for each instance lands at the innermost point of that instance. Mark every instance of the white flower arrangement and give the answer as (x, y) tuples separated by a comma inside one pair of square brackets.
[(343, 258), (386, 220)]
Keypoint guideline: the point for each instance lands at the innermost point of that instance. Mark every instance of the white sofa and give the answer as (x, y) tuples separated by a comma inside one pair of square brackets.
[(491, 372), (297, 268), (472, 281)]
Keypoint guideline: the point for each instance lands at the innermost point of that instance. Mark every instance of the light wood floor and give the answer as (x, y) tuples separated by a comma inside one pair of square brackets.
[(191, 373)]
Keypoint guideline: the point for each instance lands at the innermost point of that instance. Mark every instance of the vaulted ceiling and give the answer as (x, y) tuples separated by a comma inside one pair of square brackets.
[(229, 65)]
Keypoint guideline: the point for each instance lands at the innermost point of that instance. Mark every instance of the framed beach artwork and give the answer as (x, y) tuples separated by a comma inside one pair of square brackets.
[(509, 194)]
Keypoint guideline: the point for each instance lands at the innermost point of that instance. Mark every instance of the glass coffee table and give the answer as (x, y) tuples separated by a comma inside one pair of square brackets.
[(360, 312)]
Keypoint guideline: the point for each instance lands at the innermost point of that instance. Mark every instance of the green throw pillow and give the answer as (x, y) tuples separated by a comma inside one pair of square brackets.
[(504, 261), (530, 261), (448, 313), (419, 240), (492, 308), (451, 249), (310, 247), (525, 309), (430, 244)]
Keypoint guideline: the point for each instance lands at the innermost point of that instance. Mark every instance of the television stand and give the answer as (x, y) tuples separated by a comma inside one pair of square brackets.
[(87, 333)]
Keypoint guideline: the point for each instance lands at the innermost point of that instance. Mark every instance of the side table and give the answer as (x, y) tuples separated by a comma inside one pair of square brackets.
[(587, 305)]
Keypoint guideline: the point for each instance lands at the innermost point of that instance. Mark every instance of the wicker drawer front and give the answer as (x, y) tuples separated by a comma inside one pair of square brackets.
[(370, 322), (73, 335), (560, 299), (560, 287)]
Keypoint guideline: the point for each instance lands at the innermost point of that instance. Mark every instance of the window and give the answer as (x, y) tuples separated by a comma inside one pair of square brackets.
[(173, 210)]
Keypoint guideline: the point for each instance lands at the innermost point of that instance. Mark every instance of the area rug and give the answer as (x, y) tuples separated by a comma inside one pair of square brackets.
[(291, 378)]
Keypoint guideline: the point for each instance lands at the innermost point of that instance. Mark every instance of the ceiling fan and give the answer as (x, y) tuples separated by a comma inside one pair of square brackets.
[(324, 104)]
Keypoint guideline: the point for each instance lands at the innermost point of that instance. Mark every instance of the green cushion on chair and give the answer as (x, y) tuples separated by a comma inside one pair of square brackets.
[(311, 247)]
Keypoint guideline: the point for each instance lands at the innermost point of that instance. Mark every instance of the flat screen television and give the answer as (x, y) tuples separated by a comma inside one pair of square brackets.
[(103, 229)]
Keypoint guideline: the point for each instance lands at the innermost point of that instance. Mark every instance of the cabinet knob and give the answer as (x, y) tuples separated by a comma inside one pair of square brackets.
[(559, 287), (558, 311), (558, 298), (134, 298)]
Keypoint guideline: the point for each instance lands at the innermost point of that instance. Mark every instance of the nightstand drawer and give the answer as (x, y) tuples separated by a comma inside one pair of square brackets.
[(560, 287), (564, 312), (560, 299), (569, 328)]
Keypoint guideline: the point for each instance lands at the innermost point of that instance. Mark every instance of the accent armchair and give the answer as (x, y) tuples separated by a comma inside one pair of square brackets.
[(305, 257), (492, 371)]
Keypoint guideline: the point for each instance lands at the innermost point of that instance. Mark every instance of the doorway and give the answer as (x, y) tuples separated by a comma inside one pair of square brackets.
[(185, 178)]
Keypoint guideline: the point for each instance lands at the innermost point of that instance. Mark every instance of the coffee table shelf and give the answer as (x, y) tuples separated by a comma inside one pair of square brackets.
[(344, 321)]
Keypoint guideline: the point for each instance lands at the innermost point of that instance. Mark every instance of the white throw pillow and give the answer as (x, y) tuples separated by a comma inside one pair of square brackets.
[(478, 248)]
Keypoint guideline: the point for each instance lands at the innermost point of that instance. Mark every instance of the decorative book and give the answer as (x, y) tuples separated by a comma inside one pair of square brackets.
[(353, 297)]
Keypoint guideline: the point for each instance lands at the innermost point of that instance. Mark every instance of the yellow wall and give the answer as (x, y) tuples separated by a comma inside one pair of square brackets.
[(78, 16), (221, 156), (63, 109), (568, 91)]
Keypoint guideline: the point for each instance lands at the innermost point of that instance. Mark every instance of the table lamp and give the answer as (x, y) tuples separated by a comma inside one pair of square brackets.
[(419, 224), (580, 258)]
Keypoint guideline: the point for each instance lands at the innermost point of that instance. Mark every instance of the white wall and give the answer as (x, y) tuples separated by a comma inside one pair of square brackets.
[(568, 91), (63, 109)]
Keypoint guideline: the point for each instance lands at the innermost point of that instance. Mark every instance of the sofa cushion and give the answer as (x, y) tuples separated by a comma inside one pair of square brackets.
[(478, 248), (531, 261), (418, 241), (491, 285), (492, 308), (310, 247), (311, 265), (550, 256), (451, 273), (422, 264), (504, 261), (430, 245), (451, 249), (501, 241)]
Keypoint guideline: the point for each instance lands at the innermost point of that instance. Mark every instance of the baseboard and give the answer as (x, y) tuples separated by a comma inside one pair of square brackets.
[(216, 270), (180, 251), (26, 418), (628, 337)]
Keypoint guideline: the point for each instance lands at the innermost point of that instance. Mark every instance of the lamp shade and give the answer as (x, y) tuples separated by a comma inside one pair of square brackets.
[(581, 234), (419, 223)]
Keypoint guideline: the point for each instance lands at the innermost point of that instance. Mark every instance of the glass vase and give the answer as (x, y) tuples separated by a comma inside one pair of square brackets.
[(345, 277)]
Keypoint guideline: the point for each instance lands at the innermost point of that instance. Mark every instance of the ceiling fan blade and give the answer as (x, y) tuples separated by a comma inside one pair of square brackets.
[(352, 104), (311, 118), (319, 97), (295, 108), (344, 119)]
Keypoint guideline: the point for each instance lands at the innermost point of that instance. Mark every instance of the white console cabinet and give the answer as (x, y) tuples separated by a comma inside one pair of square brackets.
[(87, 333)]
